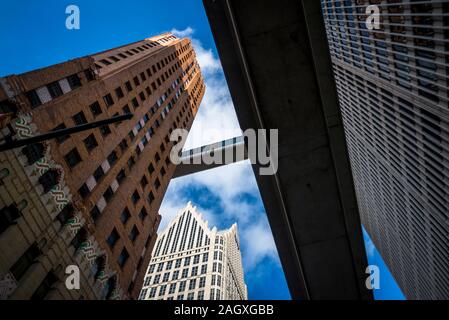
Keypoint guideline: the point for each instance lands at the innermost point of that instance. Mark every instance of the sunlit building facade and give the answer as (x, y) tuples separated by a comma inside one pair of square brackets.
[(91, 199), (190, 261)]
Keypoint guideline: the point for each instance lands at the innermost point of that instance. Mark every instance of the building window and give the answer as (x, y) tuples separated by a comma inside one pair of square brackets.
[(190, 296), (166, 277), (150, 197), (90, 76), (108, 194), (95, 109), (202, 283), (65, 215), (121, 176), (126, 109), (194, 271), (175, 275), (157, 184), (142, 96), (124, 217), (178, 263), (144, 182), (206, 257), (119, 93), (147, 281), (162, 290), (143, 214), (196, 259), (133, 234), (74, 81), (34, 152), (84, 191), (135, 103), (113, 238), (80, 237), (128, 86), (49, 180), (157, 278), (72, 158), (123, 257), (123, 145), (106, 62), (182, 286), (55, 90), (152, 293), (105, 130), (61, 139), (95, 213), (185, 273), (135, 197), (108, 100), (143, 294), (98, 174), (192, 284), (79, 119), (45, 286), (90, 142), (8, 216), (151, 168), (204, 269), (200, 295), (172, 288), (33, 98), (136, 81), (112, 158), (131, 162)]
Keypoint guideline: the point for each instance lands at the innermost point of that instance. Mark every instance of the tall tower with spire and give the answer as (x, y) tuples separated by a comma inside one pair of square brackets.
[(190, 261)]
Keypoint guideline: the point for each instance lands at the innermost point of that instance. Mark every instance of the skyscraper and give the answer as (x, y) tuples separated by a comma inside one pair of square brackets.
[(91, 199), (393, 90), (192, 262)]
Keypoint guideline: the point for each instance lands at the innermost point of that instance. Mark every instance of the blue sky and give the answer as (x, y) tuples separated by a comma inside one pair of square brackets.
[(33, 35)]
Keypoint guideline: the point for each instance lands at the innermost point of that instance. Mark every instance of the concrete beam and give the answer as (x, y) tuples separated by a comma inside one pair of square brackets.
[(277, 65)]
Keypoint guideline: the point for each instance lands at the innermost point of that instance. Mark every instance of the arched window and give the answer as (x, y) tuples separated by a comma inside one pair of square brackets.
[(49, 179), (79, 238), (34, 152)]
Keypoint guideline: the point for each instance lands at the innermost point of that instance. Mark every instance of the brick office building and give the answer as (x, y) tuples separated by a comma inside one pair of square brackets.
[(112, 179)]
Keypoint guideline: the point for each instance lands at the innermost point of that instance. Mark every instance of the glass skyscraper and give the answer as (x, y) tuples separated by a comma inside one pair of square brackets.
[(393, 90)]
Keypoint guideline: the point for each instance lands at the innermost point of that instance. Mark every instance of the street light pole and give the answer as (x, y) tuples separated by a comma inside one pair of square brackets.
[(13, 144)]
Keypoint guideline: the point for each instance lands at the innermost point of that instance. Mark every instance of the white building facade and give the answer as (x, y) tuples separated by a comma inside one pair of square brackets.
[(190, 261)]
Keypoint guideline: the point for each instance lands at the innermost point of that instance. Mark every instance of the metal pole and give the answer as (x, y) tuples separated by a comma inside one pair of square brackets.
[(63, 132)]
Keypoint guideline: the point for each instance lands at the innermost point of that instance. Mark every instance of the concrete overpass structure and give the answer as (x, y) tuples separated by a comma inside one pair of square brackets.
[(277, 65), (227, 151)]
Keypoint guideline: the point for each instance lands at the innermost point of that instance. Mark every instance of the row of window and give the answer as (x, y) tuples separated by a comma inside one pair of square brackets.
[(51, 91), (131, 52), (173, 288), (176, 275)]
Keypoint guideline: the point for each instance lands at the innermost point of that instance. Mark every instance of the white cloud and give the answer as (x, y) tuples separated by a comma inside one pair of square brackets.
[(259, 243), (216, 121), (187, 32)]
